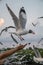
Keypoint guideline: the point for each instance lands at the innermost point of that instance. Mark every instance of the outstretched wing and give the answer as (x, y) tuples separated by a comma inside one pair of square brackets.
[(14, 17), (37, 53), (40, 17), (1, 43), (5, 29), (35, 24), (2, 31), (11, 27), (40, 40)]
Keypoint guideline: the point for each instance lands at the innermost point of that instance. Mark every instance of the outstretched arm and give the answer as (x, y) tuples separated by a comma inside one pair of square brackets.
[(10, 52)]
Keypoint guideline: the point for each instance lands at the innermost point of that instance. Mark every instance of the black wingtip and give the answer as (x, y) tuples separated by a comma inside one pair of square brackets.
[(40, 17), (8, 7), (6, 4)]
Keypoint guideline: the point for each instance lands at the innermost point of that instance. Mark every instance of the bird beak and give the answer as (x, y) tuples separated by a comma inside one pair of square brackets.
[(33, 32), (30, 31)]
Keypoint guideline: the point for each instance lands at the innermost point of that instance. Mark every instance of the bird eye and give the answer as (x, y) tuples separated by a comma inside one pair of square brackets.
[(30, 31)]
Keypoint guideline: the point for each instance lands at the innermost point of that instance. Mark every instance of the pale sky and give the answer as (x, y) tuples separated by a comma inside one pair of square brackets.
[(33, 8)]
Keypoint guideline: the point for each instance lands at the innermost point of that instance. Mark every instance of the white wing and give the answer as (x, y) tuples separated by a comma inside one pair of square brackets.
[(14, 17), (37, 53), (22, 17)]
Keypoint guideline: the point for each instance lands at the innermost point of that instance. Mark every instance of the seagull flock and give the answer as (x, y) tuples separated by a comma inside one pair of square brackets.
[(20, 24)]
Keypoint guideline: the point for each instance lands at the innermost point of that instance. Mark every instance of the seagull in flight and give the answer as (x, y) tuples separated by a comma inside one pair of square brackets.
[(1, 43), (20, 23), (40, 40), (34, 24), (6, 28), (40, 17)]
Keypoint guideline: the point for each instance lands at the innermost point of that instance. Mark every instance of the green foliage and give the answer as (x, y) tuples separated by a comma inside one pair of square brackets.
[(28, 52)]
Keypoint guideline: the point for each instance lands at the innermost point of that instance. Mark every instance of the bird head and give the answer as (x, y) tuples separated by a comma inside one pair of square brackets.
[(22, 7), (22, 10), (29, 43), (30, 31), (22, 14)]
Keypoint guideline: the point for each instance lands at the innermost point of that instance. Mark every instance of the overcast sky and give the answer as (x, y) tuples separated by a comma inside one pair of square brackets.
[(34, 9)]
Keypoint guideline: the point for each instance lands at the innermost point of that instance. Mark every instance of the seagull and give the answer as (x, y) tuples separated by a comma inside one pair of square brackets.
[(40, 40), (37, 58), (20, 22), (34, 24), (22, 57), (6, 28), (37, 53), (14, 39), (1, 43), (40, 17)]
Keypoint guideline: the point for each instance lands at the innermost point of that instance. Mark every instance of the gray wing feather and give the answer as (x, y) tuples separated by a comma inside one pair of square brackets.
[(14, 17), (1, 43), (23, 23)]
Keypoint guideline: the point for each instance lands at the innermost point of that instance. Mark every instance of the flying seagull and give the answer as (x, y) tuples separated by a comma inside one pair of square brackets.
[(6, 28), (34, 24), (37, 53), (37, 58), (40, 40), (14, 39), (40, 17), (20, 22), (1, 43)]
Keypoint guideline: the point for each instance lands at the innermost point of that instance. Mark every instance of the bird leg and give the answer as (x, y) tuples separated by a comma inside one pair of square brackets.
[(14, 39), (21, 38)]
